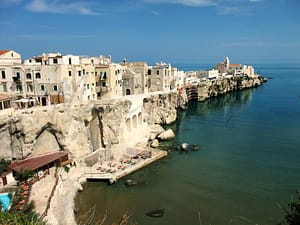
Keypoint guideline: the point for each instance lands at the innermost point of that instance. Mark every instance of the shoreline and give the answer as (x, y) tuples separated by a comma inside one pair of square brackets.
[(61, 210)]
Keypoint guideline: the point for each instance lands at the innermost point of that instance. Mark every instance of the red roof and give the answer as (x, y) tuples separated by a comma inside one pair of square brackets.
[(36, 162), (3, 51), (235, 65)]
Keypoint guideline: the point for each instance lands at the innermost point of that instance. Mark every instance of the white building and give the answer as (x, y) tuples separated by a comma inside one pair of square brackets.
[(12, 74)]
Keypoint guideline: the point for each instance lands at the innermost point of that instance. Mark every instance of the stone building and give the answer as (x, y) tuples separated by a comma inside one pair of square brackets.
[(135, 78), (234, 69), (109, 79), (159, 77), (12, 74)]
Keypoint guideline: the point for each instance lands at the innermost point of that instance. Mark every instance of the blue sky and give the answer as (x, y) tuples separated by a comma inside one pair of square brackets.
[(178, 31)]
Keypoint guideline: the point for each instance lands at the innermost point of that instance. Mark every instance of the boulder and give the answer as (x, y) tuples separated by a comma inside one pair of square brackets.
[(154, 143), (166, 135), (170, 118)]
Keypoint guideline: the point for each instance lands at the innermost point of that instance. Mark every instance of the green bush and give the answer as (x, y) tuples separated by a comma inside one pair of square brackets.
[(20, 218), (24, 175), (4, 165), (292, 216)]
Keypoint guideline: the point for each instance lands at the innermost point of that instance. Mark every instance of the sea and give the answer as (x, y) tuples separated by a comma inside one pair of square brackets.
[(246, 171)]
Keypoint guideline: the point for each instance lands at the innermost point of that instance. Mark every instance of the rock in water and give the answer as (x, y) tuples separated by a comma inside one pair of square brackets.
[(130, 182), (154, 143), (166, 135), (155, 213), (184, 146), (195, 147)]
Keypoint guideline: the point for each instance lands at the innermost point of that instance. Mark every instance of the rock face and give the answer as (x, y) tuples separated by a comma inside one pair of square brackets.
[(160, 109), (214, 88), (78, 130), (106, 126)]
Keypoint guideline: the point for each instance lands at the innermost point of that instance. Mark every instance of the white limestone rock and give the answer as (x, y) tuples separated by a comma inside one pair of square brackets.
[(154, 143), (171, 118), (166, 135)]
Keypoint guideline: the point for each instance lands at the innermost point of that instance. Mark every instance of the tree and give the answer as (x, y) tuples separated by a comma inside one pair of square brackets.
[(292, 216), (24, 175), (4, 165)]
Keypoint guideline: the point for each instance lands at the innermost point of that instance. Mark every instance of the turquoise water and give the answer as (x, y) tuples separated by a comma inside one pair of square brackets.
[(248, 164), (5, 201)]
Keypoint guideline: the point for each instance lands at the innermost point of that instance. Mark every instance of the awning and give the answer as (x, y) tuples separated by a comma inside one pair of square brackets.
[(24, 100), (35, 163)]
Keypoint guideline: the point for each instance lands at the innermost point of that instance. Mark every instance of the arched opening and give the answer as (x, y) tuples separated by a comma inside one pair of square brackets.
[(140, 118), (128, 124), (127, 91), (134, 121)]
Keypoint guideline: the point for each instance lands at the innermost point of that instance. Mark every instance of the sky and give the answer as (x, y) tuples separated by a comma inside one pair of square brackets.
[(178, 31)]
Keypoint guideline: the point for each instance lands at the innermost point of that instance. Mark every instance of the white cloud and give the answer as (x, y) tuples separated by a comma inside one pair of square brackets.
[(156, 13), (233, 10), (59, 6), (194, 3)]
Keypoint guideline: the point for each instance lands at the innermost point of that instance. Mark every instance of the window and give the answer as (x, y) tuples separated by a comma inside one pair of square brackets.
[(55, 61), (29, 88), (79, 73), (83, 72), (4, 87), (70, 61), (19, 87), (18, 75), (42, 87), (28, 76), (103, 84), (38, 75), (70, 73), (3, 74), (54, 87), (157, 72), (149, 72), (88, 86)]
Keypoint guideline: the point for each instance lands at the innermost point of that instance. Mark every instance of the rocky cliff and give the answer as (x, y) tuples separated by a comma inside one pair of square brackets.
[(110, 125), (78, 130), (81, 130), (205, 90)]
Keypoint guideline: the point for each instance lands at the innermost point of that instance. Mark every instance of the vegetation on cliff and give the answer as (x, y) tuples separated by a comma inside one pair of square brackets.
[(292, 216)]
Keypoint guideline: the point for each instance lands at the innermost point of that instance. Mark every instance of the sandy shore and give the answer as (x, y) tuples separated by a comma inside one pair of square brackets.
[(61, 210)]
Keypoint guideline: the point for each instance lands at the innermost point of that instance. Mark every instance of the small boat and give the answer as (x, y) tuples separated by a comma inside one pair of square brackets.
[(130, 182), (195, 147), (155, 213)]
